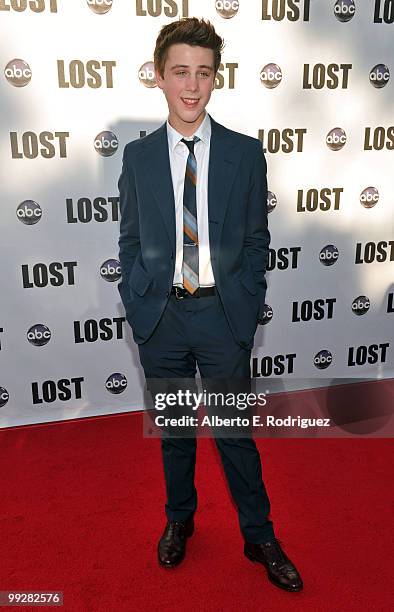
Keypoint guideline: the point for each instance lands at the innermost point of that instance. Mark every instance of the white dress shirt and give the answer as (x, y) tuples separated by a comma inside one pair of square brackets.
[(179, 153)]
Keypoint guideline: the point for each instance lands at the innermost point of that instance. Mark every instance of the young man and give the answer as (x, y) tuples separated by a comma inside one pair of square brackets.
[(193, 250)]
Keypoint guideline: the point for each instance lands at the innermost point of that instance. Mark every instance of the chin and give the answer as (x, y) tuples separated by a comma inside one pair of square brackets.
[(191, 116)]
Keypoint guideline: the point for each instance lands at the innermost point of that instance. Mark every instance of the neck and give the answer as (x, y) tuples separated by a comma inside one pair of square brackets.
[(187, 129)]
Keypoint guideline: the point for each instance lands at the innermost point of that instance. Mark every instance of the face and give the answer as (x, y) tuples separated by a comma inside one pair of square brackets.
[(187, 85)]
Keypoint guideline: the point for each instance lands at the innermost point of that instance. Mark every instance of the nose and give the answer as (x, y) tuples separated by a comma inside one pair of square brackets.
[(191, 83)]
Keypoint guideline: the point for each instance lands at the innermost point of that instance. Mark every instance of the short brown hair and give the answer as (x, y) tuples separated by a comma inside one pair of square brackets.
[(191, 31)]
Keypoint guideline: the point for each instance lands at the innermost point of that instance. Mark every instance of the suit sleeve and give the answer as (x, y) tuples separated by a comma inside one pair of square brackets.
[(257, 238), (129, 239)]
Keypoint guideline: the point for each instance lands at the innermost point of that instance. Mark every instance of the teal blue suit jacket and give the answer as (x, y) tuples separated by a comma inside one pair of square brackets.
[(238, 229)]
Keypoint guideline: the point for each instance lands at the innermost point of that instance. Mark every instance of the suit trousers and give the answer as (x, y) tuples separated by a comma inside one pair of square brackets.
[(195, 331)]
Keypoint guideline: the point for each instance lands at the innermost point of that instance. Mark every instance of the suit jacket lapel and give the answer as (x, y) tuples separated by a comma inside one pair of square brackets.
[(155, 166), (224, 158)]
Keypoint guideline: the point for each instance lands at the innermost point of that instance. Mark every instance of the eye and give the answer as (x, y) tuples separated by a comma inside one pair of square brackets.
[(181, 72)]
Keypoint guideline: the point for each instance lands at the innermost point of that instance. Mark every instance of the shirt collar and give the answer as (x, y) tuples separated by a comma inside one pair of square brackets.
[(203, 132)]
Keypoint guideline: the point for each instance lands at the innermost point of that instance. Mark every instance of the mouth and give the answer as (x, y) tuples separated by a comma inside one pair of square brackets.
[(190, 102)]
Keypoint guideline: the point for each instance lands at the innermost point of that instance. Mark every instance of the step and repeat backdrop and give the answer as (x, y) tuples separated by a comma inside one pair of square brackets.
[(312, 79)]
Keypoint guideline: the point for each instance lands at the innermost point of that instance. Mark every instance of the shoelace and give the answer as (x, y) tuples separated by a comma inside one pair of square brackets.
[(274, 553), (176, 527)]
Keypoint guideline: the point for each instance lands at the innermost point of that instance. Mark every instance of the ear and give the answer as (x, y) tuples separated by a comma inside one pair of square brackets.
[(159, 79)]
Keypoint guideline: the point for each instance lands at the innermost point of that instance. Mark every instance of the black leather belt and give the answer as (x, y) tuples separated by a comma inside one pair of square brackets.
[(181, 292)]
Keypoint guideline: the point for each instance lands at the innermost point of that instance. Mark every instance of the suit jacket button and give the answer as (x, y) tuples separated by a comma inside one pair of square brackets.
[(167, 293)]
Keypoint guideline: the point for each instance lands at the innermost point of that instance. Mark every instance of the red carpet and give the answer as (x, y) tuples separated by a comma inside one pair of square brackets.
[(82, 509)]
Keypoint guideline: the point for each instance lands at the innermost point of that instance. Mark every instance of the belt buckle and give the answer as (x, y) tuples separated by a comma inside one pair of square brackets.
[(178, 293)]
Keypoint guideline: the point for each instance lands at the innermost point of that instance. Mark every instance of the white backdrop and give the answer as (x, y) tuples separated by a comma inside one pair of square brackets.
[(73, 70)]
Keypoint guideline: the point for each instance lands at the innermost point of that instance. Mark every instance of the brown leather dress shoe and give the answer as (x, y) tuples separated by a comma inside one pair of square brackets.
[(172, 544), (280, 569)]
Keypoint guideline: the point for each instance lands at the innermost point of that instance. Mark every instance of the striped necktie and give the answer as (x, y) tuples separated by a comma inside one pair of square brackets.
[(190, 228)]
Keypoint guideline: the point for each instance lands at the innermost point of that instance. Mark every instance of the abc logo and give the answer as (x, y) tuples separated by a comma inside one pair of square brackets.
[(99, 6), (29, 212), (4, 397), (146, 74), (336, 139), (227, 8), (106, 143), (379, 76), (18, 73), (38, 335), (110, 270), (322, 359), (329, 255), (267, 314), (116, 383), (360, 305), (369, 197), (344, 10), (270, 76), (271, 201)]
